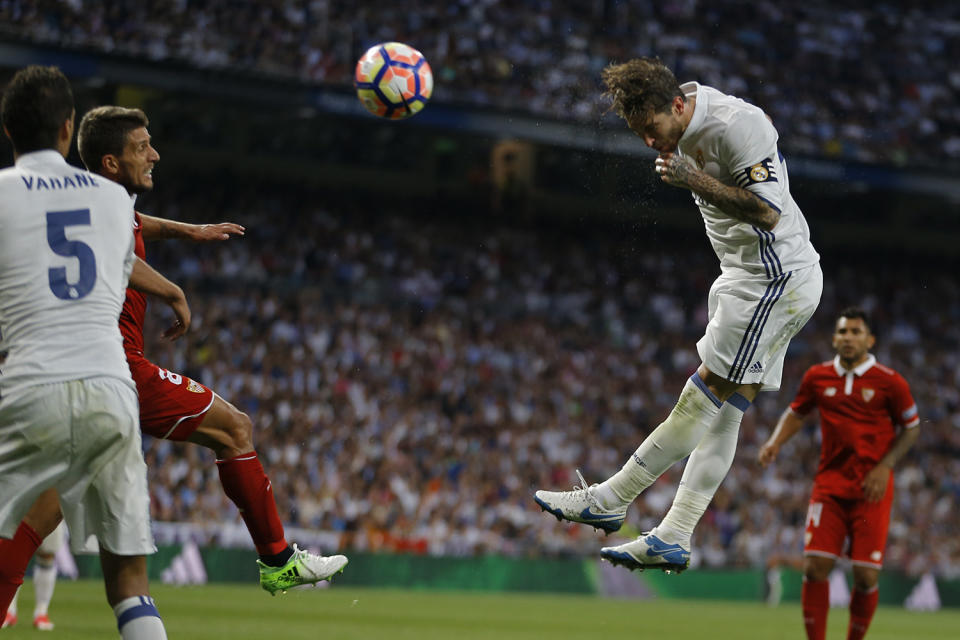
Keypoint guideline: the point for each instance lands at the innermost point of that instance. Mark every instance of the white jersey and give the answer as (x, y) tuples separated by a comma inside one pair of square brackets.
[(66, 252), (734, 142)]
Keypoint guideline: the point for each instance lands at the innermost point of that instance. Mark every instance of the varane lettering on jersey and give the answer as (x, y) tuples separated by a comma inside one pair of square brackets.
[(53, 183)]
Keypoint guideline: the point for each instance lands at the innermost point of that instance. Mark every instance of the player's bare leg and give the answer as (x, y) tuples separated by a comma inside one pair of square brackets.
[(44, 516), (863, 600), (128, 592), (225, 430), (15, 553), (228, 432)]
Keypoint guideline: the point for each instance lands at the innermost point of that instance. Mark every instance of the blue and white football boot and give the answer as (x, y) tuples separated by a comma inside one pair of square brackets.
[(580, 505), (648, 552)]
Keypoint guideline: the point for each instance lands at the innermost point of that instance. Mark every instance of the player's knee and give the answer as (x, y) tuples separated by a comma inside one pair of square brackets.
[(239, 429), (44, 559), (865, 579), (817, 569)]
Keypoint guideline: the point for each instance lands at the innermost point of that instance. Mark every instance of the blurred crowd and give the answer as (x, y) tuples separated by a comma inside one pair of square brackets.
[(862, 81), (413, 379)]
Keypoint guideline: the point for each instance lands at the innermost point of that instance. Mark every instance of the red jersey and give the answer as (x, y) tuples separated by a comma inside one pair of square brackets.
[(860, 411), (135, 305)]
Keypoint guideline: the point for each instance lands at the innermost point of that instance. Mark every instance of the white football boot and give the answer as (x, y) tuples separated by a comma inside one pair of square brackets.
[(648, 552), (580, 505), (303, 567)]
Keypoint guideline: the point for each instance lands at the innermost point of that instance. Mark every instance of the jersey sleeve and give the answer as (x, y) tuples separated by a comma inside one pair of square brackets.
[(806, 398), (903, 408), (750, 147)]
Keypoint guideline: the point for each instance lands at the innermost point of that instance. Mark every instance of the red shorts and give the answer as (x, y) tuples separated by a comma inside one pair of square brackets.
[(831, 521), (172, 406)]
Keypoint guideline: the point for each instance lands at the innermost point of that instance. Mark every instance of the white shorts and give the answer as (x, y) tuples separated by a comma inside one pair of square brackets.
[(82, 438), (752, 322)]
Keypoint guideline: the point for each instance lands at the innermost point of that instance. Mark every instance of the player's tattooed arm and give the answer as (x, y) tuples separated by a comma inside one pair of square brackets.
[(160, 228), (736, 202)]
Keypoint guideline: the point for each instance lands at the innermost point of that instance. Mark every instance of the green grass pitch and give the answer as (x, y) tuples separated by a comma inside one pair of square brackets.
[(239, 612)]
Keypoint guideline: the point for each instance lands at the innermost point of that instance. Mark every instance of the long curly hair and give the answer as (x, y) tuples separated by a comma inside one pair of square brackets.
[(640, 87)]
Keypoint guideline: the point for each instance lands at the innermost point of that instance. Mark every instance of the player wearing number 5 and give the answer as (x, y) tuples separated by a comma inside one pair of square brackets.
[(868, 421), (114, 142), (68, 406)]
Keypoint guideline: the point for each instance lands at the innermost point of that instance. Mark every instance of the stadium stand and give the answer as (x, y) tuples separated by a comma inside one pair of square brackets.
[(803, 63), (412, 373), (411, 376)]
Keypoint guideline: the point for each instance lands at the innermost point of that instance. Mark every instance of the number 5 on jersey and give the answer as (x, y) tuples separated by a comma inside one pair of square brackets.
[(57, 223)]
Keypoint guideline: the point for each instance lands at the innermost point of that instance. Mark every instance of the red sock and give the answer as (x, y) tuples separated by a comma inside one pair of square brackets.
[(15, 555), (245, 482), (862, 606), (815, 598)]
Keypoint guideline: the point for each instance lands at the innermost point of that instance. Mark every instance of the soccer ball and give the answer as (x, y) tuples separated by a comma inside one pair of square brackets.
[(393, 80)]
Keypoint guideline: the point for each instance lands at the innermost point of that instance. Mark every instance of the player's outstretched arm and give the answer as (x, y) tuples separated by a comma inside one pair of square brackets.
[(788, 425), (146, 279), (160, 228), (737, 203)]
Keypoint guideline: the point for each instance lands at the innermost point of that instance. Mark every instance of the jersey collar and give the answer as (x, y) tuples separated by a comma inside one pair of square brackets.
[(40, 158), (699, 110), (859, 370)]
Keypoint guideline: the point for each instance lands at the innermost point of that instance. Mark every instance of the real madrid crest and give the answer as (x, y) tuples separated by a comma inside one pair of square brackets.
[(867, 394), (759, 173), (701, 163)]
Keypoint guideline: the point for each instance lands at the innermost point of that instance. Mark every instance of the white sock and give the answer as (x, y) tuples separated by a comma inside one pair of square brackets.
[(673, 440), (12, 609), (44, 579), (685, 512), (138, 619), (706, 469)]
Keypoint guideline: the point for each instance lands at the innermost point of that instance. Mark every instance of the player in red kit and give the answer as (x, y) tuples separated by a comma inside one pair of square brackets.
[(868, 421), (114, 142)]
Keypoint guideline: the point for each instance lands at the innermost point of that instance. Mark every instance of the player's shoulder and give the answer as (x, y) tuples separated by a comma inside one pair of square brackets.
[(8, 175), (111, 193), (729, 108), (884, 369), (888, 374), (741, 125), (822, 369)]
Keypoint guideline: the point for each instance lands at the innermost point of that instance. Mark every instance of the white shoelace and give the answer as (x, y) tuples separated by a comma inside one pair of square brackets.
[(585, 489)]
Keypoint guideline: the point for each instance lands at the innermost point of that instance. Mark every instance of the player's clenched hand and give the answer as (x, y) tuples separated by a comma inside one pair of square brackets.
[(767, 454), (875, 484), (182, 311), (674, 169), (216, 232)]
